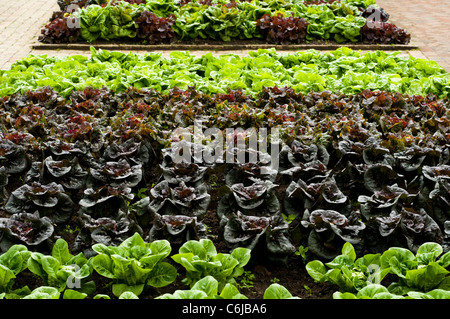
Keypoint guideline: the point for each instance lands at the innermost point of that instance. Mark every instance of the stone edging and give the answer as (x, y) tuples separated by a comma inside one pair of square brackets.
[(219, 47)]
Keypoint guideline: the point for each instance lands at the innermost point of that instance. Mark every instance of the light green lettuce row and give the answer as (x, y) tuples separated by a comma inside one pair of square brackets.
[(343, 70)]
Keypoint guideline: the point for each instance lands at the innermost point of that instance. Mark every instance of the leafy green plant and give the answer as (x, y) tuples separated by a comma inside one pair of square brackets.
[(372, 291), (420, 275), (12, 262), (134, 264), (423, 271), (246, 280), (61, 269), (277, 291), (200, 259), (206, 288), (44, 292), (347, 272)]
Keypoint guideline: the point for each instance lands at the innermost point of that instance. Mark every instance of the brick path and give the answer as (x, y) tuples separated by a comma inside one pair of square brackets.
[(20, 22), (428, 21)]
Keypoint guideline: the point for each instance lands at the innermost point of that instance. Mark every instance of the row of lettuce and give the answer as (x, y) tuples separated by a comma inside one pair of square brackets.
[(277, 22), (341, 71), (134, 266), (367, 168)]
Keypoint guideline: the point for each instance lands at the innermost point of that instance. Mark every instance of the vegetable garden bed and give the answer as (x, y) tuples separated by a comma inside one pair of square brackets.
[(253, 22), (357, 162)]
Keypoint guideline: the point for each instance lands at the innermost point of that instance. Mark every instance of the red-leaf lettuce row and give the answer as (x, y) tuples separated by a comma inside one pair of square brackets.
[(27, 229), (384, 33), (50, 200)]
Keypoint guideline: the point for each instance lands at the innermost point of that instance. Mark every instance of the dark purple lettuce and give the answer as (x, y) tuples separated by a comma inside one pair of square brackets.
[(104, 230), (50, 200), (13, 157), (59, 31), (330, 229), (177, 228), (105, 201), (266, 236), (179, 199), (115, 174), (384, 33), (25, 228), (323, 194)]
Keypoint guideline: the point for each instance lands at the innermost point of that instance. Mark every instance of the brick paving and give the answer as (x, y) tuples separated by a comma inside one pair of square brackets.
[(20, 24), (428, 21)]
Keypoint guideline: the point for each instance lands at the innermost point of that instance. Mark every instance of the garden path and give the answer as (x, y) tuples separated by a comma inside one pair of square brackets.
[(428, 22)]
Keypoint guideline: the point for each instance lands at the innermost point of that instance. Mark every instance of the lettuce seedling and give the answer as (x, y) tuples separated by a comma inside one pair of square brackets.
[(200, 259), (135, 264)]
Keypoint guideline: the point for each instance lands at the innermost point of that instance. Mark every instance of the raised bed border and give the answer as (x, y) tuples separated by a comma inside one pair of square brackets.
[(222, 47)]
